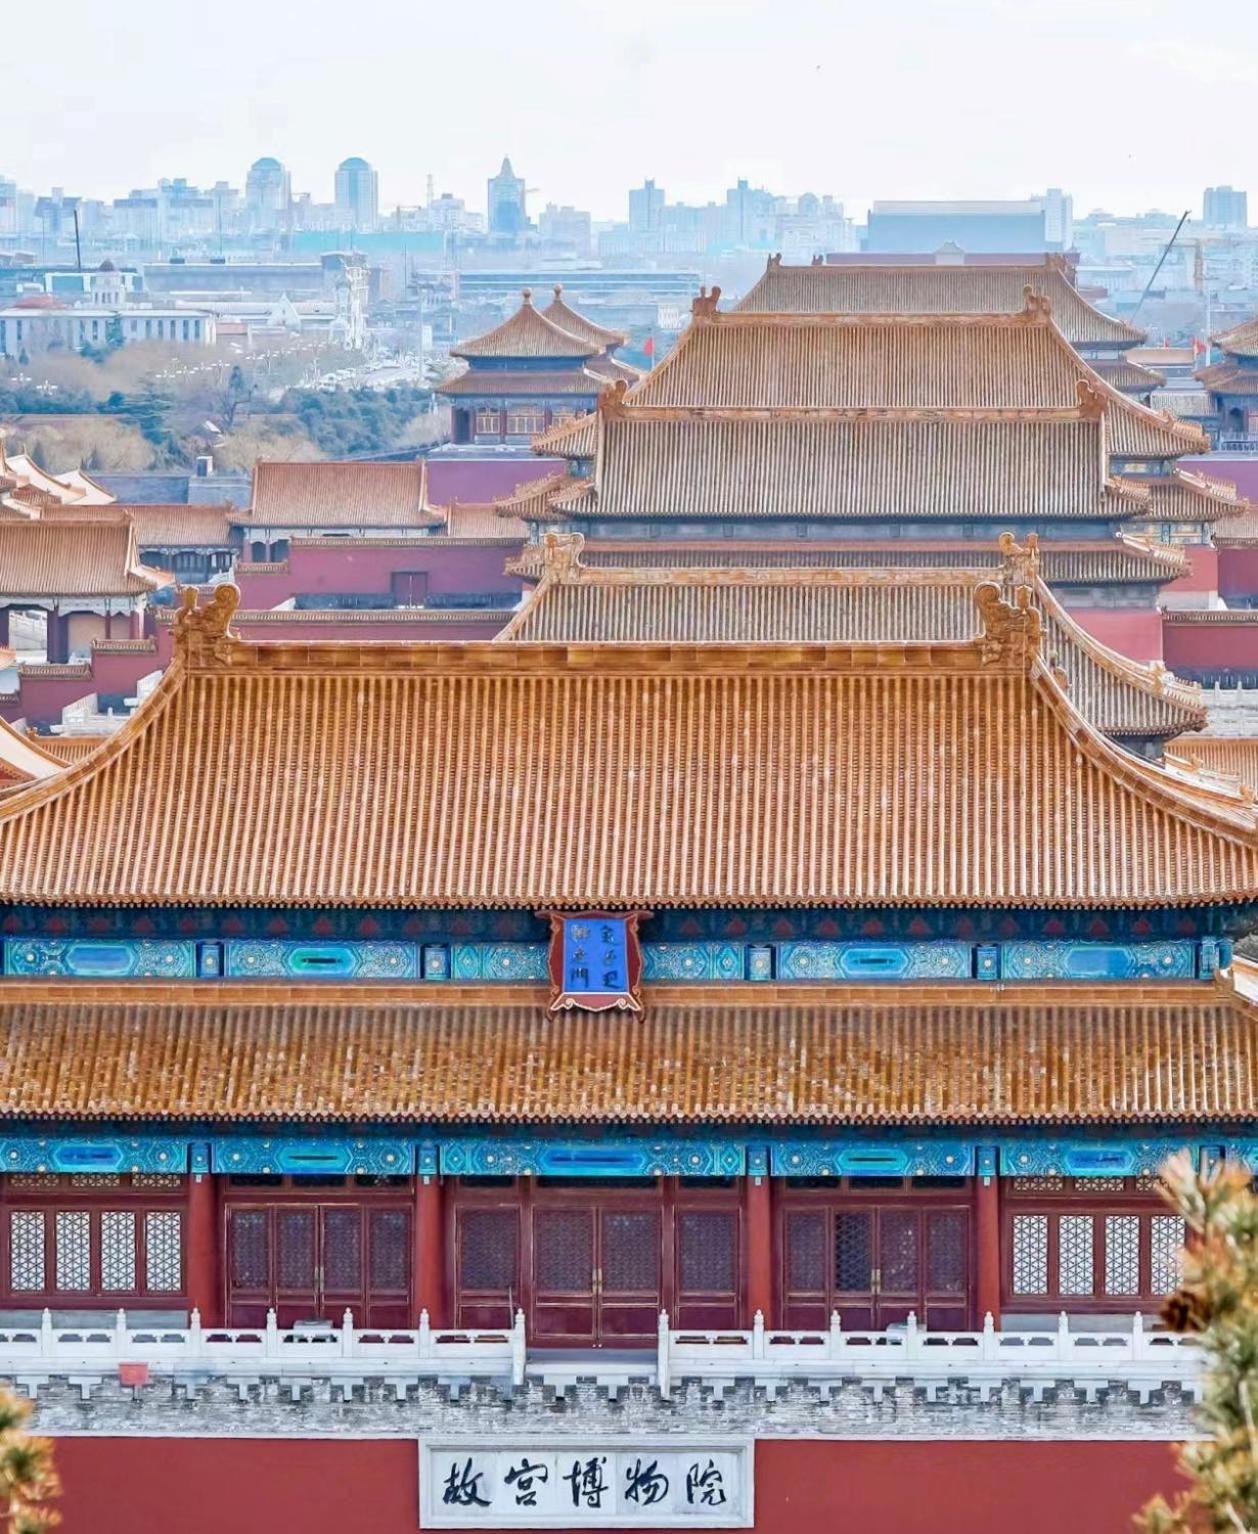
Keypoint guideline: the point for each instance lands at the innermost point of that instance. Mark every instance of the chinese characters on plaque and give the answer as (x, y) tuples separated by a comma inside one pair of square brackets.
[(603, 1485), (595, 961)]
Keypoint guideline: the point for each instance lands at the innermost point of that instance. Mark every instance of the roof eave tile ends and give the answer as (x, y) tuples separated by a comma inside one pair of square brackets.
[(929, 1056)]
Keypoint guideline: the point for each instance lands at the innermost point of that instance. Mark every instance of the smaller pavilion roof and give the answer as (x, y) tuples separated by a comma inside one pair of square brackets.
[(23, 758), (339, 494), (706, 463), (1241, 340), (528, 333), (574, 603), (1233, 756), (1239, 529), (65, 557), (526, 383), (1229, 377), (1126, 376), (576, 438), (944, 363), (484, 522), (1111, 562), (561, 313), (881, 288), (1186, 496), (181, 525)]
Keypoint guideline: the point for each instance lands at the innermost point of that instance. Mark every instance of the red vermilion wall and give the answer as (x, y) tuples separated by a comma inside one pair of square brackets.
[(357, 631), (1136, 632), (1238, 572), (1203, 572), (1217, 646), (331, 1486), (343, 567)]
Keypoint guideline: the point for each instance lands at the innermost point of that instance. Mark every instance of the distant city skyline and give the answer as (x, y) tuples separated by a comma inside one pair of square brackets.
[(910, 100)]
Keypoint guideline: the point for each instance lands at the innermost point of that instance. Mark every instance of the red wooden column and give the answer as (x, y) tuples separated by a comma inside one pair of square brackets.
[(987, 1236), (205, 1292), (759, 1236), (429, 1258)]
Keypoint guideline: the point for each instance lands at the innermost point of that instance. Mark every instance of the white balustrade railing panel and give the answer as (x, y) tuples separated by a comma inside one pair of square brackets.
[(1134, 1356), (911, 1353), (224, 1350)]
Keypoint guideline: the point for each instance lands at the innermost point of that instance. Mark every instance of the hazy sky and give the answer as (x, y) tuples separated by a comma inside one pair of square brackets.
[(1127, 104)]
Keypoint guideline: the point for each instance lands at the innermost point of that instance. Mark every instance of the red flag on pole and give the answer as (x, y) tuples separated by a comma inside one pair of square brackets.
[(648, 349)]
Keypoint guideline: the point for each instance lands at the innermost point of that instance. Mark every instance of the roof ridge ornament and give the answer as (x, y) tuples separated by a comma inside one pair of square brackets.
[(1036, 307), (561, 558), (1024, 559), (611, 402), (1011, 630), (704, 305), (1092, 399), (203, 634)]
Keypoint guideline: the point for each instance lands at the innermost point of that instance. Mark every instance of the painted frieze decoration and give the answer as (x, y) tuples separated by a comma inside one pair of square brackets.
[(646, 1483), (502, 1156), (595, 961)]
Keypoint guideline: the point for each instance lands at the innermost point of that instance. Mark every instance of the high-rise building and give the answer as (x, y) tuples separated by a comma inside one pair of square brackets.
[(268, 195), (8, 206), (646, 208), (1226, 208), (357, 194), (507, 201)]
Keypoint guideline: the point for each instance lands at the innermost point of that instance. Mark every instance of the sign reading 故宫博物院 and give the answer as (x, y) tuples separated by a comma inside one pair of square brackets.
[(603, 1485), (595, 961)]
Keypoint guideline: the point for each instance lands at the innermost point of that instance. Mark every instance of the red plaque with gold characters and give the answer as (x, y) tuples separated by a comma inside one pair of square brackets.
[(595, 961)]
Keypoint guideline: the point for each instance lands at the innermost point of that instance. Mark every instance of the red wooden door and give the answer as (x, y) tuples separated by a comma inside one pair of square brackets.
[(707, 1268), (875, 1265), (296, 1238), (627, 1280), (563, 1309), (309, 1261), (487, 1265), (409, 587)]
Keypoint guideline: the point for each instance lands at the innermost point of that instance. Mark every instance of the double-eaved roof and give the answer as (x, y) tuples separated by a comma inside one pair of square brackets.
[(629, 775), (879, 288)]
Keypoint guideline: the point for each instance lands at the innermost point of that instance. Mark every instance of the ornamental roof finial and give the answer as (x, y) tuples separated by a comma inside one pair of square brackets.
[(1036, 306), (561, 556), (202, 633), (1092, 401), (1011, 630)]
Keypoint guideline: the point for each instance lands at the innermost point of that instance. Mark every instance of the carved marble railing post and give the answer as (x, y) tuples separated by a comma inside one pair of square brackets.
[(757, 1334), (663, 1362), (47, 1337), (270, 1336), (834, 1342), (519, 1349), (423, 1337), (347, 1334)]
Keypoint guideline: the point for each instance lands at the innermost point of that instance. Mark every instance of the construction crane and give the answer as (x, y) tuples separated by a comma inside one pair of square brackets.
[(1161, 260)]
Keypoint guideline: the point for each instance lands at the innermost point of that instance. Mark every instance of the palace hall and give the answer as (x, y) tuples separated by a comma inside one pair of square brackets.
[(738, 1013)]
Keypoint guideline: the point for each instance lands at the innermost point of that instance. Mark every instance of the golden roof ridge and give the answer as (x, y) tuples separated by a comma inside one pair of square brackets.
[(561, 313), (527, 327)]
